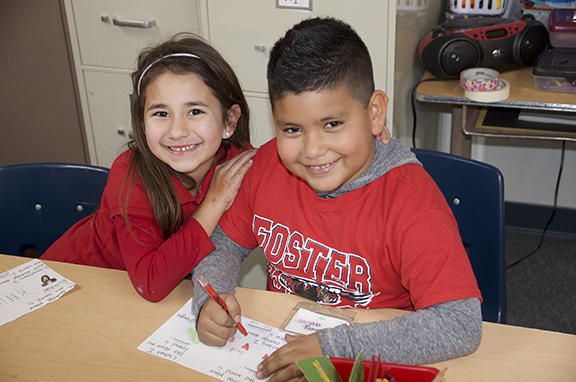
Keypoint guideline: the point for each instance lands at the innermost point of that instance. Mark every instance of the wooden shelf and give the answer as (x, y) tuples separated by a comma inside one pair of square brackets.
[(465, 112)]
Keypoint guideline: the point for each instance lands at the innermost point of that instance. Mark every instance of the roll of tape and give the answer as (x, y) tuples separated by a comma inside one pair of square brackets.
[(479, 79), (500, 93)]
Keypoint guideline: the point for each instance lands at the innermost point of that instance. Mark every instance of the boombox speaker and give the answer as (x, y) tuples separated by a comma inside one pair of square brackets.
[(482, 42)]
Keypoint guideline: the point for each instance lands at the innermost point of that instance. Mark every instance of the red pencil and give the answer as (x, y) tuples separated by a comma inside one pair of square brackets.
[(208, 288)]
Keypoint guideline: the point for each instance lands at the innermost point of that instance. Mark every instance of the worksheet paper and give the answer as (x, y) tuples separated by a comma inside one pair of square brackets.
[(237, 361), (28, 287)]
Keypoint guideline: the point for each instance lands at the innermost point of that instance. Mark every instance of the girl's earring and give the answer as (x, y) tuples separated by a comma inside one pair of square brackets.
[(227, 133)]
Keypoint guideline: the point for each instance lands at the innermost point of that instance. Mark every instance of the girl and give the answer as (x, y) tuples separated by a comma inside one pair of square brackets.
[(166, 193)]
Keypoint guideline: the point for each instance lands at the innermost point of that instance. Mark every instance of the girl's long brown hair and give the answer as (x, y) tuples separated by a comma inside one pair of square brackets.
[(220, 78)]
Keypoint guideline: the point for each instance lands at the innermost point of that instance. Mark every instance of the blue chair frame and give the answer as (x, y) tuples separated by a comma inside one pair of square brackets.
[(475, 192), (41, 201)]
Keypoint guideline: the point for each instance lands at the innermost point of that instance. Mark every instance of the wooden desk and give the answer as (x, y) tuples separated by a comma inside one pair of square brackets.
[(92, 332), (465, 112)]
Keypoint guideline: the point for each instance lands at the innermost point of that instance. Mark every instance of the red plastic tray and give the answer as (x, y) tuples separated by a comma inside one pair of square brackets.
[(375, 369)]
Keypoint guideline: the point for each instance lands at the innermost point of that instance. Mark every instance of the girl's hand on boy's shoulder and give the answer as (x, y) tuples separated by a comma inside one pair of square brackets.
[(282, 363), (223, 189), (228, 178), (215, 326)]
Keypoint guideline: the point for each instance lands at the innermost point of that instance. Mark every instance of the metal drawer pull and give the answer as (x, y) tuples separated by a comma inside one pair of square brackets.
[(133, 23)]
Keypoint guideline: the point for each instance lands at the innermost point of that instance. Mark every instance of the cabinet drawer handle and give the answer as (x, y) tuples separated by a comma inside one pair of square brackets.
[(133, 23)]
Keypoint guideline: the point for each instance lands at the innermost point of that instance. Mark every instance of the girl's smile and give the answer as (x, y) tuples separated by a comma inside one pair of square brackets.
[(182, 149)]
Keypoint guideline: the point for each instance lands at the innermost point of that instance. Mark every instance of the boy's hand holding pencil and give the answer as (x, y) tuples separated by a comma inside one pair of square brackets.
[(215, 324)]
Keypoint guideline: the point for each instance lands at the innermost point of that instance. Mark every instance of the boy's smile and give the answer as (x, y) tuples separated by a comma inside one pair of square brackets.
[(326, 137)]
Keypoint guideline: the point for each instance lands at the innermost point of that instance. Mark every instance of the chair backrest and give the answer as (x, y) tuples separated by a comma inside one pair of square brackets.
[(40, 201), (475, 192)]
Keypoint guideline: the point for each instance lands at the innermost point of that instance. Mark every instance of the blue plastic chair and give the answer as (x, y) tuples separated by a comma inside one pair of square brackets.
[(41, 201), (475, 192)]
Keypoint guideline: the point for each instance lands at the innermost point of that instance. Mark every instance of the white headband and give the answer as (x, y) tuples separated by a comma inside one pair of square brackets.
[(161, 58)]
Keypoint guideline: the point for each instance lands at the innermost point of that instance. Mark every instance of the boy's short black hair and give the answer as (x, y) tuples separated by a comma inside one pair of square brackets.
[(317, 54)]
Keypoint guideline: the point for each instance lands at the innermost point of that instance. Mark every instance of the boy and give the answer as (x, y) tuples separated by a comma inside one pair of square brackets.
[(343, 218)]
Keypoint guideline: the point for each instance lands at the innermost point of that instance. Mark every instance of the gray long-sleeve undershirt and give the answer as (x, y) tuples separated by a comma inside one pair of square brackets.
[(436, 333)]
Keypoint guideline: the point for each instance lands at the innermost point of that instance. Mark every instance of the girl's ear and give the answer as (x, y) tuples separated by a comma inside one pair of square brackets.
[(232, 115), (377, 107)]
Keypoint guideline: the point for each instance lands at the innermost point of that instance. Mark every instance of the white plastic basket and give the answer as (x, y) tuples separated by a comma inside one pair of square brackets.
[(412, 5), (478, 7)]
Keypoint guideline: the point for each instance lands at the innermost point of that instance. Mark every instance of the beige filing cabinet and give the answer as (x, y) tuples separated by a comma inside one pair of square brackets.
[(245, 31), (106, 37)]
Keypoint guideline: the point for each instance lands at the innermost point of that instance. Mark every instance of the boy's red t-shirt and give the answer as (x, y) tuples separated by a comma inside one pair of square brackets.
[(392, 243)]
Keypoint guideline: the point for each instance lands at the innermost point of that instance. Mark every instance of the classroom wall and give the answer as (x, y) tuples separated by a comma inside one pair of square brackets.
[(530, 167), (40, 115)]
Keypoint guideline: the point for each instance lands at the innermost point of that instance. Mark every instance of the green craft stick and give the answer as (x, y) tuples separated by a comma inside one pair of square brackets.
[(319, 369), (357, 374)]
